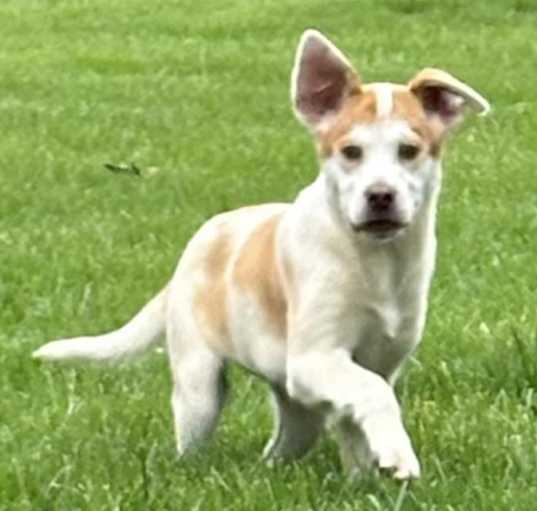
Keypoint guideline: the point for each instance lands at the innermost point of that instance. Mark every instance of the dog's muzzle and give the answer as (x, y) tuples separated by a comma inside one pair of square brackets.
[(381, 219)]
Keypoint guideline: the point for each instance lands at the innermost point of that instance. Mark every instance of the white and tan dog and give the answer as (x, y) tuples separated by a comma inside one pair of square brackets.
[(323, 298)]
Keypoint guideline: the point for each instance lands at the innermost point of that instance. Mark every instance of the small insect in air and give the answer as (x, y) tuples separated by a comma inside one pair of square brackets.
[(123, 168)]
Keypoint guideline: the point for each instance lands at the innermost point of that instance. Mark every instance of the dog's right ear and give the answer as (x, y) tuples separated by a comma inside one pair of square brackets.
[(322, 78)]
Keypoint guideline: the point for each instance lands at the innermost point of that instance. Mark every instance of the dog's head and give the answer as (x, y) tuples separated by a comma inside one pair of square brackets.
[(379, 143)]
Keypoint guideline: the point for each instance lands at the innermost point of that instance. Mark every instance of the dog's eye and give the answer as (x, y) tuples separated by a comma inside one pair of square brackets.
[(352, 152), (408, 151)]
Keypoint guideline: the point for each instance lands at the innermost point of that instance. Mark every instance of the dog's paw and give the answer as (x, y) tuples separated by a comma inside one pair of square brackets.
[(402, 464), (390, 448)]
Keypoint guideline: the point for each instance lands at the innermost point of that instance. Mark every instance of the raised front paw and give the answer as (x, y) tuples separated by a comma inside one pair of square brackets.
[(390, 447)]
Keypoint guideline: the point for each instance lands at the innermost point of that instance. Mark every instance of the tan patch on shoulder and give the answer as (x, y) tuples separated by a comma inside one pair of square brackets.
[(211, 299), (408, 107), (257, 272), (358, 108)]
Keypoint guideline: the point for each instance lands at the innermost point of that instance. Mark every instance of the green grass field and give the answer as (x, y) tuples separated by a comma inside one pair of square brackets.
[(196, 94)]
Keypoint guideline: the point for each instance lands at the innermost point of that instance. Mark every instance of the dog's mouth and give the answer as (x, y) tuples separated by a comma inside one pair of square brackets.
[(381, 226)]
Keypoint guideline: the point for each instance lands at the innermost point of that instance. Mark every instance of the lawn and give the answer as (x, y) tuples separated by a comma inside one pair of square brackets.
[(196, 95)]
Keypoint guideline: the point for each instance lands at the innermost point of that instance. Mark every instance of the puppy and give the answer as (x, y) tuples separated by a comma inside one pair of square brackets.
[(323, 298)]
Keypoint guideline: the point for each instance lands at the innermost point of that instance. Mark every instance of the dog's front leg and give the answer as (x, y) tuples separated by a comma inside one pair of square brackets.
[(331, 379)]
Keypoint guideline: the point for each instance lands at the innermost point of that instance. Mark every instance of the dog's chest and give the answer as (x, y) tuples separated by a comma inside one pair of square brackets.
[(384, 335), (387, 323)]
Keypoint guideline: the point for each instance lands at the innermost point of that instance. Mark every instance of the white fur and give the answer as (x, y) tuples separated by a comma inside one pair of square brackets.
[(349, 182), (356, 307), (384, 96)]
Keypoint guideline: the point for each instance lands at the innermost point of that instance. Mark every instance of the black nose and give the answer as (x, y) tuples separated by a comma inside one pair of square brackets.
[(380, 198)]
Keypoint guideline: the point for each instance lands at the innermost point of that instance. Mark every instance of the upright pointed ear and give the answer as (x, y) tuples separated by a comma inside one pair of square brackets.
[(445, 98), (322, 78)]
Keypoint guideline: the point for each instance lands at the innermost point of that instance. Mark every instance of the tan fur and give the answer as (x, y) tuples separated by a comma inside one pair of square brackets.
[(358, 108), (407, 106), (361, 109), (257, 272), (210, 302)]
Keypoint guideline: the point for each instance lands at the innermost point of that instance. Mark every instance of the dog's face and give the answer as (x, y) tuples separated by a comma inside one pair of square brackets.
[(379, 143), (379, 170)]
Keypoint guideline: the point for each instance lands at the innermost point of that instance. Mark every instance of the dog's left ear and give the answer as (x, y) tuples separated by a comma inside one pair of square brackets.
[(322, 78), (445, 98)]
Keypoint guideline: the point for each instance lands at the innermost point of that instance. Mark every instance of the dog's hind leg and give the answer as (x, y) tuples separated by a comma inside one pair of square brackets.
[(296, 428), (197, 398), (199, 386)]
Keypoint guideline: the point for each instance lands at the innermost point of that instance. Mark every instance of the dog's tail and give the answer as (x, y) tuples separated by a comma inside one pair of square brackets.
[(136, 336)]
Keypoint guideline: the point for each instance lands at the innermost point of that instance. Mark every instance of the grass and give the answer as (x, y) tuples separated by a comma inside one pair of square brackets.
[(196, 94)]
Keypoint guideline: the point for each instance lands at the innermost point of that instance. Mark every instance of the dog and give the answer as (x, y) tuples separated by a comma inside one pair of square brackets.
[(324, 298)]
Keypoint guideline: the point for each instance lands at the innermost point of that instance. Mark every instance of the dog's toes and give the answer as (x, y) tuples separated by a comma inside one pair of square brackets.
[(393, 454), (407, 471), (401, 470)]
